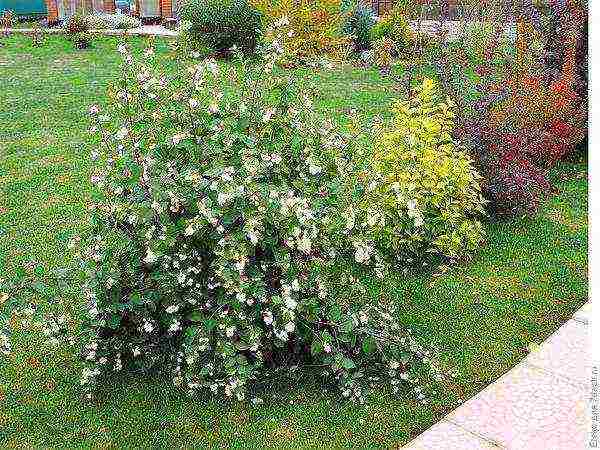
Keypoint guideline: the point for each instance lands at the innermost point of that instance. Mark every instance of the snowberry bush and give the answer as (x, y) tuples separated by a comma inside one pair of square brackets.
[(217, 250)]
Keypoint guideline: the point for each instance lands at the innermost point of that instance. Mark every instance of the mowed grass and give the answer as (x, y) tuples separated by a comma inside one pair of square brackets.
[(481, 316)]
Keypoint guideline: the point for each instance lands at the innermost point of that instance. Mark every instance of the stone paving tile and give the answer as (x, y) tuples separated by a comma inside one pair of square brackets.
[(584, 315), (528, 409), (566, 353), (447, 436)]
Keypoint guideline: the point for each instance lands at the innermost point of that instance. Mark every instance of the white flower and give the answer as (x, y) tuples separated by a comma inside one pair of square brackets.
[(290, 303), (213, 108), (193, 103), (212, 66), (122, 48), (363, 317), (327, 348), (282, 335), (276, 158), (411, 204), (136, 352), (290, 327), (122, 133), (295, 285), (253, 237), (172, 309), (189, 230), (268, 317), (268, 114), (157, 206), (304, 245), (150, 257), (314, 169), (148, 327), (230, 331), (94, 109), (419, 221), (362, 254), (175, 326), (177, 138), (222, 198)]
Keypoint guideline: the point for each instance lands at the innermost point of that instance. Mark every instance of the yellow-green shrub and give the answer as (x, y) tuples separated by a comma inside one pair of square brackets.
[(394, 27), (305, 28), (420, 192), (383, 50)]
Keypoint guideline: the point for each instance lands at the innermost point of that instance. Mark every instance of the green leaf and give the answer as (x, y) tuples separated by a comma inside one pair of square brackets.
[(347, 326), (136, 298), (335, 313), (210, 324), (348, 364), (241, 345), (326, 337), (369, 345), (195, 316), (40, 287), (114, 321), (316, 348)]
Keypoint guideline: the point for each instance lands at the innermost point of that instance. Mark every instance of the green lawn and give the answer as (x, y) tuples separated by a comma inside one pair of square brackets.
[(481, 316)]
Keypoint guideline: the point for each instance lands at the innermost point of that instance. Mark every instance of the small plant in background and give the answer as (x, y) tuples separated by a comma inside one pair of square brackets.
[(359, 24), (77, 31), (396, 28), (383, 53), (112, 21), (7, 21), (37, 36), (219, 25), (305, 30)]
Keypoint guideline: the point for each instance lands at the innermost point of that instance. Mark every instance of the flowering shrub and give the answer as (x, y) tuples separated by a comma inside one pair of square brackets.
[(216, 251), (113, 21), (219, 25), (420, 194), (551, 113), (305, 29)]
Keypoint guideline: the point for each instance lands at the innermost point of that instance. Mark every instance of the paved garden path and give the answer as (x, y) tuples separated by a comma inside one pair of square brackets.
[(540, 404)]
